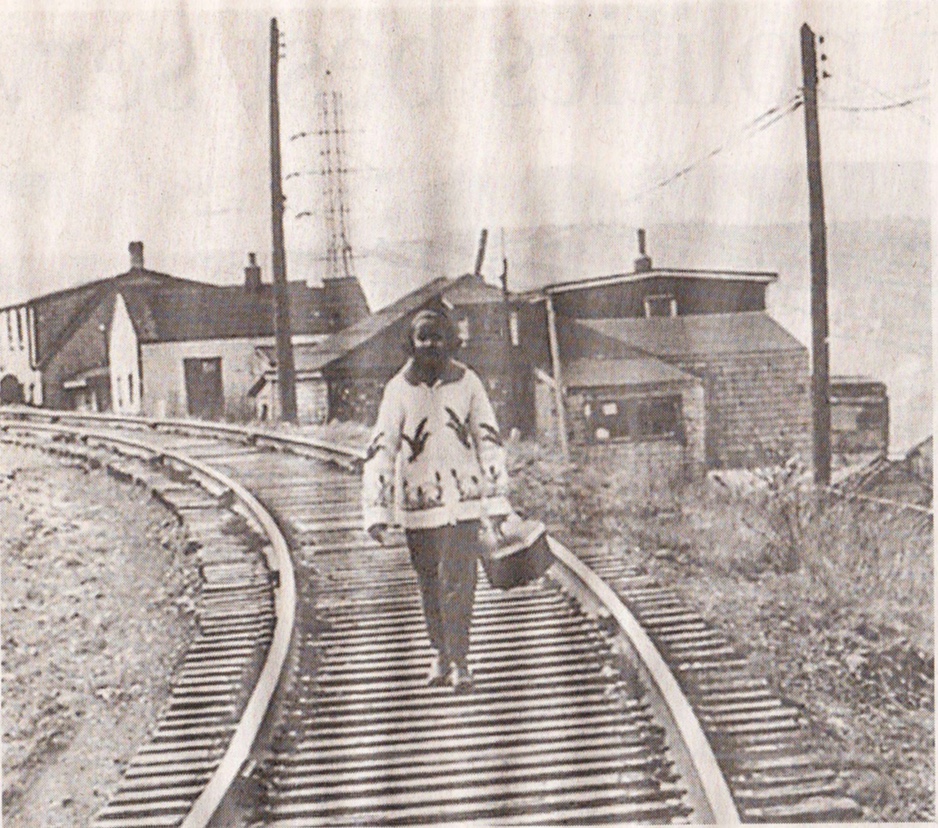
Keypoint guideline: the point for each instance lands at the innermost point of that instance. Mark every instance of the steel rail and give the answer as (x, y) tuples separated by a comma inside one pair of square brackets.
[(707, 786), (344, 455), (284, 589), (708, 790)]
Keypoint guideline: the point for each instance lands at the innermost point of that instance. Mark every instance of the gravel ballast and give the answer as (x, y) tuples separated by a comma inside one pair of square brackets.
[(96, 614)]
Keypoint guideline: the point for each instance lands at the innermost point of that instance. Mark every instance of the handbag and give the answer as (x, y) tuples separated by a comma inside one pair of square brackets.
[(516, 554)]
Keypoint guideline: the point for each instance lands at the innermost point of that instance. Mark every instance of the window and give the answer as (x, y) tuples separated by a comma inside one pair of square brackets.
[(10, 328), (463, 325), (120, 394), (634, 418), (661, 305), (19, 328), (130, 389)]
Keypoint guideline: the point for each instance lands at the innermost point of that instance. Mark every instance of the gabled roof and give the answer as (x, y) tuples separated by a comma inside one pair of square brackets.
[(136, 274), (315, 357), (590, 373), (470, 289), (85, 299), (761, 276), (699, 335)]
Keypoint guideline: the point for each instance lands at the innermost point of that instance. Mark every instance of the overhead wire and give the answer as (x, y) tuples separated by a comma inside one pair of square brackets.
[(893, 100), (749, 130)]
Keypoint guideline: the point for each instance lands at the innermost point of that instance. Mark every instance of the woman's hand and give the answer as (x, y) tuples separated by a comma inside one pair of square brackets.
[(377, 532)]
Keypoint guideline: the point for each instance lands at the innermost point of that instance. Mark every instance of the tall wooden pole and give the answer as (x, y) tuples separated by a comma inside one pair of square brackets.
[(286, 375), (820, 373)]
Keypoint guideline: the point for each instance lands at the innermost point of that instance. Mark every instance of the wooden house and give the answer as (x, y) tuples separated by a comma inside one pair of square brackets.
[(147, 342), (710, 327), (342, 377)]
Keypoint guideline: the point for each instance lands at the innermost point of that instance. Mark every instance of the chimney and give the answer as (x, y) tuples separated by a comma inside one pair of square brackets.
[(136, 255), (643, 262), (252, 274)]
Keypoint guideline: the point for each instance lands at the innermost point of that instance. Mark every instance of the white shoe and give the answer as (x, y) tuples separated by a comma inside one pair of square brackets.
[(461, 678), (439, 668)]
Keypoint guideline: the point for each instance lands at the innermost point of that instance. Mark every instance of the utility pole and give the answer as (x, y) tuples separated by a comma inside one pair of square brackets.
[(820, 357), (286, 375)]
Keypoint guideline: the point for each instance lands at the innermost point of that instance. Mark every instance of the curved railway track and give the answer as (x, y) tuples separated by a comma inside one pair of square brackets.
[(600, 697)]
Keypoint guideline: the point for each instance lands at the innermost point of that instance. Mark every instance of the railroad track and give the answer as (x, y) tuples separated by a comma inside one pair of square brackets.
[(600, 697)]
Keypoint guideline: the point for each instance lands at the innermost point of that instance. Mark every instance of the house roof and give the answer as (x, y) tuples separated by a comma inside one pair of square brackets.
[(132, 275), (761, 276), (87, 297), (470, 289), (196, 311), (590, 373), (316, 357), (699, 334)]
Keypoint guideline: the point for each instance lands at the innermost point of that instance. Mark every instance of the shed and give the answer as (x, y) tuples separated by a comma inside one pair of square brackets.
[(754, 374), (645, 410)]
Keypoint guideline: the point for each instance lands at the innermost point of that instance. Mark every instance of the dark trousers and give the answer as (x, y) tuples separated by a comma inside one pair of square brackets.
[(445, 558)]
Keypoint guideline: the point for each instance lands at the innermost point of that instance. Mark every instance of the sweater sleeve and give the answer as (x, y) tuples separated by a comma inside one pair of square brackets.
[(378, 474), (490, 449)]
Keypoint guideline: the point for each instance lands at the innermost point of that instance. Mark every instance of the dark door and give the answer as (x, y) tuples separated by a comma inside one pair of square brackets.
[(203, 387)]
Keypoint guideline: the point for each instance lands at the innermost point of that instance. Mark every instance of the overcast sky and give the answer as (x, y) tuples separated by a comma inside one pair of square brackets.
[(153, 125)]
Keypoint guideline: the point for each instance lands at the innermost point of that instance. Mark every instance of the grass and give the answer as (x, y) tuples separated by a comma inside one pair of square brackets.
[(831, 600)]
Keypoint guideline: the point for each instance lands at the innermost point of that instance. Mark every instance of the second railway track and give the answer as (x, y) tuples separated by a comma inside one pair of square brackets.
[(565, 725)]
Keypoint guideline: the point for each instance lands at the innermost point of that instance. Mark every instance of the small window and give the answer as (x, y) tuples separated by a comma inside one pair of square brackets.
[(130, 389), (31, 393), (634, 418), (662, 305), (513, 328), (19, 327), (463, 326), (120, 394)]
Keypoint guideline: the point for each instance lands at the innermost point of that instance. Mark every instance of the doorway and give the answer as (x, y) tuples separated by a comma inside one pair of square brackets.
[(204, 397)]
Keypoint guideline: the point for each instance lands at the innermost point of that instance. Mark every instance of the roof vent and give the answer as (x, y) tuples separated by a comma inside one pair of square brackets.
[(136, 255), (643, 262)]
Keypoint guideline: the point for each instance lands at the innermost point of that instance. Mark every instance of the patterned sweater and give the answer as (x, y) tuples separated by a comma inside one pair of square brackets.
[(442, 444)]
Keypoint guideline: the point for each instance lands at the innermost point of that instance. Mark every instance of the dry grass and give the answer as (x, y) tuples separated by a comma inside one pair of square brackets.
[(831, 600)]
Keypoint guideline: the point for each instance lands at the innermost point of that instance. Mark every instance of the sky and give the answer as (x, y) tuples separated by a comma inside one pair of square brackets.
[(150, 123), (560, 127)]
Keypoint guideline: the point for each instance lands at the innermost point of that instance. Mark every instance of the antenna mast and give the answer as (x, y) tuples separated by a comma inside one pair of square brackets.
[(335, 210)]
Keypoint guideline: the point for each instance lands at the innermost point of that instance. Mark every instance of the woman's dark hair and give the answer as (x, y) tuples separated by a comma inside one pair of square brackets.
[(447, 326)]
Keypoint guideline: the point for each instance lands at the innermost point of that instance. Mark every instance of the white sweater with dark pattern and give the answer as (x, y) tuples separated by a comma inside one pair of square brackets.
[(442, 445)]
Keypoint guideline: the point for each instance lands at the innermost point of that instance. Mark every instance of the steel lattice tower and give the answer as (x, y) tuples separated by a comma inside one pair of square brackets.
[(333, 170)]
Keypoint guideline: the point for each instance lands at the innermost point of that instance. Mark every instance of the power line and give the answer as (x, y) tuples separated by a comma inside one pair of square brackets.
[(894, 100), (879, 108), (749, 130)]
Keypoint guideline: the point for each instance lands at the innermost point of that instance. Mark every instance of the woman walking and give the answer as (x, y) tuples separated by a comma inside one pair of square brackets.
[(436, 420)]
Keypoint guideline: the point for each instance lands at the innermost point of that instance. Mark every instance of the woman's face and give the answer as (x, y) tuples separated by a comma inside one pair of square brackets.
[(430, 351)]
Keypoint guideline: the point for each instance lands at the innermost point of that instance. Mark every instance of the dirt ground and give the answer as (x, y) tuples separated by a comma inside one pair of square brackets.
[(95, 617)]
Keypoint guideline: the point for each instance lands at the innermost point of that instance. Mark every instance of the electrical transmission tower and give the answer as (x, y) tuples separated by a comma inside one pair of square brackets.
[(333, 169)]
